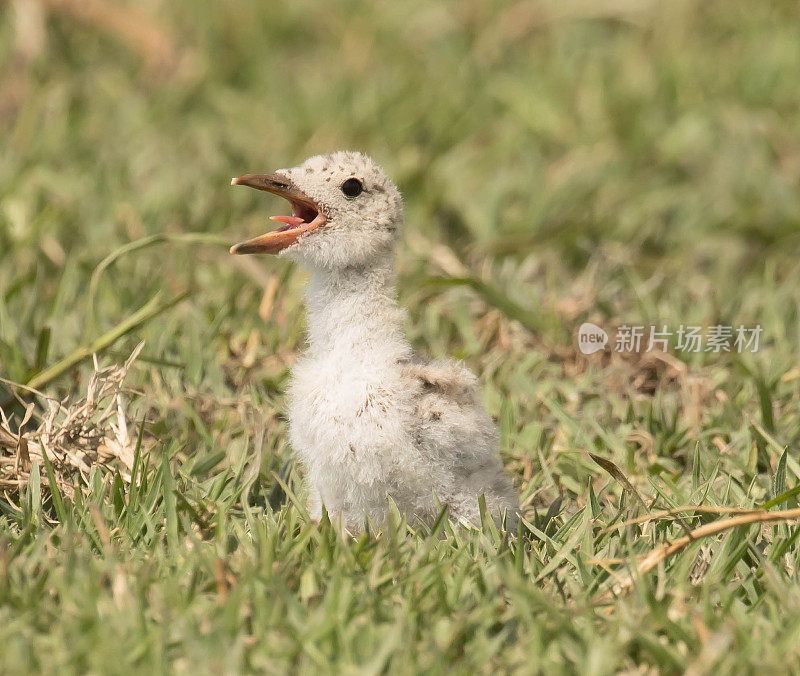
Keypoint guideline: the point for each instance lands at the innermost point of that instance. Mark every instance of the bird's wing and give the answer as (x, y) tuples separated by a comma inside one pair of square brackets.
[(448, 415), (445, 378), (452, 429)]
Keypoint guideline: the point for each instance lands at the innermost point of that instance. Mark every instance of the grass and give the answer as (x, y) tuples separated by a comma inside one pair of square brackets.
[(629, 163)]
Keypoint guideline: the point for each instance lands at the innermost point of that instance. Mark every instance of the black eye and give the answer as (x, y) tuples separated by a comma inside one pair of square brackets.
[(352, 187)]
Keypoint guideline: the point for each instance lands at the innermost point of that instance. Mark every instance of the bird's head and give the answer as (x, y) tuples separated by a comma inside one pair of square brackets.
[(345, 212)]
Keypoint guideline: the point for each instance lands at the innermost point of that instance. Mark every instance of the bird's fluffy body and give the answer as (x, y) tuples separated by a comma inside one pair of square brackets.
[(369, 419)]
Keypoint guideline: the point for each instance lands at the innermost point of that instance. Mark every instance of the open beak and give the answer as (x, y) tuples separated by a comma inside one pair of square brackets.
[(306, 215)]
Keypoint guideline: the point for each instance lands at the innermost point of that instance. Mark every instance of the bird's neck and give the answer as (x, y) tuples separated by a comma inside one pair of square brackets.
[(353, 314)]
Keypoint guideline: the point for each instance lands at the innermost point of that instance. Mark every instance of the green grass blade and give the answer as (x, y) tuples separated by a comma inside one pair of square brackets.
[(55, 493)]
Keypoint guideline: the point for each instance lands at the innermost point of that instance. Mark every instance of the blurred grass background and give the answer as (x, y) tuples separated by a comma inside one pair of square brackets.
[(617, 162)]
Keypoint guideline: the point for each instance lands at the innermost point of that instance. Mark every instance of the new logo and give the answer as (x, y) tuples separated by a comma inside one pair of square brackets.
[(591, 338)]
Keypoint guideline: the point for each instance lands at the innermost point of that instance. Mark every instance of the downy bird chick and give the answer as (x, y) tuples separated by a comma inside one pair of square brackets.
[(368, 418)]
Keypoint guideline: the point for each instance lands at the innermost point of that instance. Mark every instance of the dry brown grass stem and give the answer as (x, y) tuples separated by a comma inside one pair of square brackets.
[(667, 549), (91, 432)]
